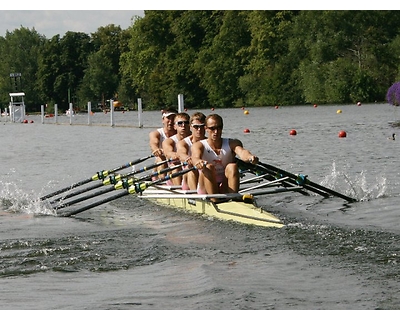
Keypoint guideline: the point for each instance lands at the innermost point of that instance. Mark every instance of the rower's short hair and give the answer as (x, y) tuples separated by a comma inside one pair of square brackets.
[(183, 115), (200, 116), (215, 117)]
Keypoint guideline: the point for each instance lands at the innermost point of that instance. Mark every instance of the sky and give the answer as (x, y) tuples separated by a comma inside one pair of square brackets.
[(50, 19), (52, 22)]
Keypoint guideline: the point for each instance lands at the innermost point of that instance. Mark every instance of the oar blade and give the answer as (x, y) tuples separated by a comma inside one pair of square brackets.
[(306, 183)]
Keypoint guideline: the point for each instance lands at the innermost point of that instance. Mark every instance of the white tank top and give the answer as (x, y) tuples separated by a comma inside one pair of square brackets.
[(163, 136), (219, 161), (189, 143)]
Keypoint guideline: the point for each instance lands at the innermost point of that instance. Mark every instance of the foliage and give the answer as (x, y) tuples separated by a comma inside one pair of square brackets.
[(214, 58), (19, 51), (61, 68), (101, 77)]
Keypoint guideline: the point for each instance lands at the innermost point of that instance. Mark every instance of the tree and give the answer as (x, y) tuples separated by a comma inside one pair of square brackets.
[(142, 65), (19, 51), (101, 78), (62, 66), (220, 65), (269, 68)]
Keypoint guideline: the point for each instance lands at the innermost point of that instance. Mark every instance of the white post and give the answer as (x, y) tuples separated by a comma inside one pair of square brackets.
[(10, 110), (42, 112), (71, 113), (139, 108), (112, 112), (89, 111), (55, 113), (181, 106)]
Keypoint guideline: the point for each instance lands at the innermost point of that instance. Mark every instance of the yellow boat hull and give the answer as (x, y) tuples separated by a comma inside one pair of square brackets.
[(236, 211)]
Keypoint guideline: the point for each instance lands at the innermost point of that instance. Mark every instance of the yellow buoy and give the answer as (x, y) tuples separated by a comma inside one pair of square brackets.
[(339, 111), (246, 112)]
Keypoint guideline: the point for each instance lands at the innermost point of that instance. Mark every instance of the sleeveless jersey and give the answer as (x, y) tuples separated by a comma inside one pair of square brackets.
[(163, 136), (219, 161), (189, 143)]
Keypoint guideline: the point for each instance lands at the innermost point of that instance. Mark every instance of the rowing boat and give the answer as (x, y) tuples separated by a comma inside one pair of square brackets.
[(238, 207), (235, 207)]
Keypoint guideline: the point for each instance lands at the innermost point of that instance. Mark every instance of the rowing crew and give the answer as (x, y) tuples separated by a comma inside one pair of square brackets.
[(184, 138)]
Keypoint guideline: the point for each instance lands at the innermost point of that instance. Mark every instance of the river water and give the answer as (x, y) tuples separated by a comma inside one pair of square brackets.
[(134, 255)]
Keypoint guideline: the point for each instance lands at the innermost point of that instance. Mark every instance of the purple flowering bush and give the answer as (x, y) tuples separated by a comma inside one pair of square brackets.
[(393, 94)]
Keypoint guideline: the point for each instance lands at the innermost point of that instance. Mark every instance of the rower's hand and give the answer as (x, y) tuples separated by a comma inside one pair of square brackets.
[(253, 160), (189, 162), (200, 165), (175, 159), (158, 153)]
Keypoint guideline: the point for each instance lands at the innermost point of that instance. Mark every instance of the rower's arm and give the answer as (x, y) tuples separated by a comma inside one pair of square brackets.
[(168, 148), (197, 152), (154, 142), (182, 149), (242, 153)]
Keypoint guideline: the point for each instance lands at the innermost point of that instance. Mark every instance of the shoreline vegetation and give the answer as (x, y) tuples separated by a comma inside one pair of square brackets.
[(221, 59)]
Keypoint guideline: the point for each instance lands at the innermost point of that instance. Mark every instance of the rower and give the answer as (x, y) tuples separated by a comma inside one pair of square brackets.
[(220, 174), (183, 148), (182, 128), (156, 137)]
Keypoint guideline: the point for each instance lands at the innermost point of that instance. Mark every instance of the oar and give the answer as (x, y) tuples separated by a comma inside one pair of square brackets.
[(98, 176), (306, 183), (134, 189), (111, 179), (118, 185)]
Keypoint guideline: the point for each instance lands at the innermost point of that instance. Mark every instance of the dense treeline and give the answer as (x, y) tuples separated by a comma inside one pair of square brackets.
[(214, 58)]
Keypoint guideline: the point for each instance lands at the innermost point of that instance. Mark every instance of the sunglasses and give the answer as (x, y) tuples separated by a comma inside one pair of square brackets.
[(198, 126), (215, 128), (181, 123)]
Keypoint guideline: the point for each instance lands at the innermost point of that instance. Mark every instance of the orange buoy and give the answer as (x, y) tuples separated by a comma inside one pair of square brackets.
[(276, 107), (25, 121), (246, 130), (31, 121), (342, 134), (359, 103), (293, 132), (315, 106), (117, 103), (212, 109)]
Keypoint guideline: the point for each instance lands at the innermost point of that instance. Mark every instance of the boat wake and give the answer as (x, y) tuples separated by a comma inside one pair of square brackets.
[(357, 187), (14, 200)]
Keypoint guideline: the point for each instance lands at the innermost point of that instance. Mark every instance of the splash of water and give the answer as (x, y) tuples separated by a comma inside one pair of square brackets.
[(15, 200), (357, 187)]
